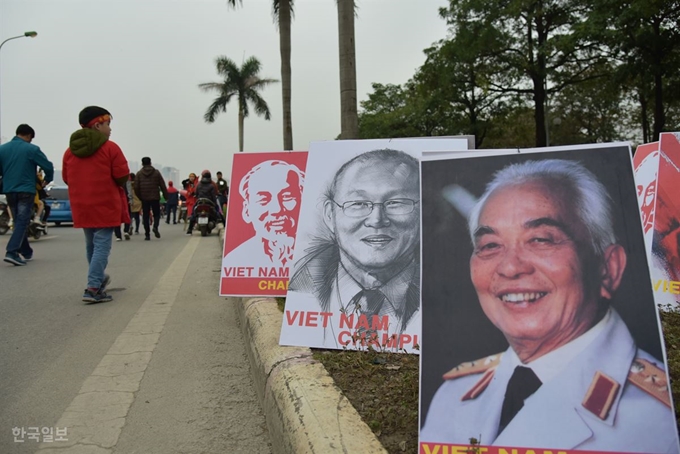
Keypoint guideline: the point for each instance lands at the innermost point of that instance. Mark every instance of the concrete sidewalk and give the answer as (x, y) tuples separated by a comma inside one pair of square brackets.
[(304, 409)]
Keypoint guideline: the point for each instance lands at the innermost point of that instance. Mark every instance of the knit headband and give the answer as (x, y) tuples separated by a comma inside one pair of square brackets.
[(99, 119)]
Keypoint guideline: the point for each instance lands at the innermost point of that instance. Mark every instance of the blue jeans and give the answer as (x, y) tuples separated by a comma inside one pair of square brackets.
[(21, 204), (98, 247)]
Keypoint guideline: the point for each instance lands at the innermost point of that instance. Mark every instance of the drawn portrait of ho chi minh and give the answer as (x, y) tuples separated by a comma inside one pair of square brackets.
[(262, 220), (539, 323)]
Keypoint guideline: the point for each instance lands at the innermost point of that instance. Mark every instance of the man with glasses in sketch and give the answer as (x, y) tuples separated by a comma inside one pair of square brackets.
[(367, 262)]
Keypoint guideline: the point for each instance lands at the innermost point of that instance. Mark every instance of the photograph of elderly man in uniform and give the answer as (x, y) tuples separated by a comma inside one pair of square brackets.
[(270, 193), (365, 257), (539, 323)]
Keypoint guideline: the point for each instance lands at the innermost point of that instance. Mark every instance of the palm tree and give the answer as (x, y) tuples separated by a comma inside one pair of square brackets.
[(283, 12), (349, 119), (244, 83)]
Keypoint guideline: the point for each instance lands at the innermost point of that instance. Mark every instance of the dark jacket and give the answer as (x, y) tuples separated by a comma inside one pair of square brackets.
[(222, 187), (315, 273), (149, 184), (206, 190), (173, 196)]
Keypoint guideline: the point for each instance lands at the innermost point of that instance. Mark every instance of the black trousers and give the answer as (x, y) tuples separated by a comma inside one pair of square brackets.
[(134, 217), (147, 207), (171, 208)]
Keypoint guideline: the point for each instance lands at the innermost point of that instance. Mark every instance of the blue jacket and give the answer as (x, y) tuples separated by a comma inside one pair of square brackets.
[(18, 161)]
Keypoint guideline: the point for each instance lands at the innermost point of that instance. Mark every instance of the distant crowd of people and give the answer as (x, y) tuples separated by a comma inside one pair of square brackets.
[(104, 195)]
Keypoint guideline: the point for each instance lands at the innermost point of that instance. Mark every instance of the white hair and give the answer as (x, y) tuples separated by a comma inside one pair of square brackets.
[(592, 203), (244, 187)]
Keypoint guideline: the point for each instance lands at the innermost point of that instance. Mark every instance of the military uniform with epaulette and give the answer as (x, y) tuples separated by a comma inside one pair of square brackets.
[(608, 395)]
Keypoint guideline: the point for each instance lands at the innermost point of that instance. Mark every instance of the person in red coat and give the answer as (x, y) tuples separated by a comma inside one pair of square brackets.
[(190, 186), (95, 169)]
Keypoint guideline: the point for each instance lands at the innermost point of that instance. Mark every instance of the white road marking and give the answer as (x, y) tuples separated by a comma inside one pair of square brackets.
[(96, 416)]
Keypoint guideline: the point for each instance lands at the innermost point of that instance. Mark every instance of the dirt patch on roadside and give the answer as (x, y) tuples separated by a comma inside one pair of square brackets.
[(383, 387)]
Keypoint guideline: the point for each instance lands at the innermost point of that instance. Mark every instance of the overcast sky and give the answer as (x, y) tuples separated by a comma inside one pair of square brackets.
[(142, 60)]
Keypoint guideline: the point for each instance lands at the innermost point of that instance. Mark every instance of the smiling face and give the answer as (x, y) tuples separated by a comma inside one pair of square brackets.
[(527, 266), (378, 240), (273, 202)]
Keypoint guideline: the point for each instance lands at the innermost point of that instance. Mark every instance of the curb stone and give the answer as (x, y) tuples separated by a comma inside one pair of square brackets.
[(304, 409)]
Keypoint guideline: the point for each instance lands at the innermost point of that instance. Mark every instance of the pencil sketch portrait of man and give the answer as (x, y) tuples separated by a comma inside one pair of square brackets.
[(366, 259)]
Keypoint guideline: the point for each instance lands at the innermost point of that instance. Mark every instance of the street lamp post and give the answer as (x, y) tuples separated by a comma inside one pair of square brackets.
[(31, 34)]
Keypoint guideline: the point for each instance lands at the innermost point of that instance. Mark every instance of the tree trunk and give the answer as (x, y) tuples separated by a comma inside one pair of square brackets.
[(643, 117), (540, 78), (659, 114), (540, 114), (240, 129), (349, 119), (657, 69), (284, 44)]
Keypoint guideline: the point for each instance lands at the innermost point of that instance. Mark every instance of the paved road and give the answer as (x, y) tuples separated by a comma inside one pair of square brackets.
[(161, 369)]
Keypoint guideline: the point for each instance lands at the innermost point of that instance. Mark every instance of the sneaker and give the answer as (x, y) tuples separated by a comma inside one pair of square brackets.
[(100, 296), (156, 233), (119, 239), (188, 232), (27, 258), (105, 283), (147, 238), (14, 259), (127, 236)]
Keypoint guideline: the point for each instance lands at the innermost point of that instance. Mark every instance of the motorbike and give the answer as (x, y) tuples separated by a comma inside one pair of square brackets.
[(182, 212), (36, 230), (206, 216), (4, 215)]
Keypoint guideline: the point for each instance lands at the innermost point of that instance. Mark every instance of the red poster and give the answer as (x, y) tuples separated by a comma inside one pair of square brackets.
[(646, 164), (666, 244), (262, 220)]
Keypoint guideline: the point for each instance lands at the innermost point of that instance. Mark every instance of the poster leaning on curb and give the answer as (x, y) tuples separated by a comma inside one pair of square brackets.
[(540, 331), (262, 222)]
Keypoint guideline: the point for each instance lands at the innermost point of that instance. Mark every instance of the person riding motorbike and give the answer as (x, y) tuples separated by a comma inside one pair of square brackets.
[(206, 189), (40, 196)]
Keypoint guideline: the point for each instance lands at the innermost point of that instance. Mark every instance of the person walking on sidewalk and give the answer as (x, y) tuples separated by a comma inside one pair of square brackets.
[(95, 170), (149, 184), (171, 203), (135, 205), (19, 159), (125, 208), (190, 186)]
